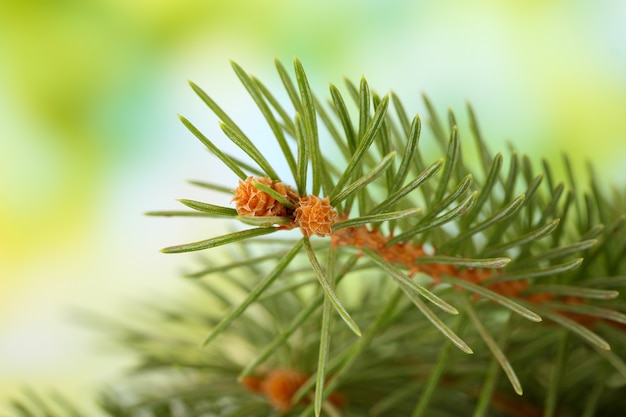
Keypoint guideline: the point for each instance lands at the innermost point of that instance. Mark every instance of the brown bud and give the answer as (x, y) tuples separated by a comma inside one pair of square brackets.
[(280, 385), (250, 201), (315, 215)]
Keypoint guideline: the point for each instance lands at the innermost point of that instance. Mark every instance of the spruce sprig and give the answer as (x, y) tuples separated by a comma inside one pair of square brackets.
[(524, 272), (489, 240)]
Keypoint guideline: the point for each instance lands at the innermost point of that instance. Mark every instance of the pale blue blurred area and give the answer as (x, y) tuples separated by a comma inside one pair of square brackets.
[(89, 138)]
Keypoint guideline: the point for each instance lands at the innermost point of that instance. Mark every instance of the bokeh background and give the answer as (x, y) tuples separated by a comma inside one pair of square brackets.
[(89, 138)]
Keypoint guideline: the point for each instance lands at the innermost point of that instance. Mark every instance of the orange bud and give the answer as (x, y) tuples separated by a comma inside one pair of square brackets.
[(315, 216), (250, 201)]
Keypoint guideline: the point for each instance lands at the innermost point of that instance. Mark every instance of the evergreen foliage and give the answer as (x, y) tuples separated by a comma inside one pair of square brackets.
[(460, 285)]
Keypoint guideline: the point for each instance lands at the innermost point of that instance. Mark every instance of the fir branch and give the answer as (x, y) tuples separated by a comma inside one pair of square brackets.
[(451, 231)]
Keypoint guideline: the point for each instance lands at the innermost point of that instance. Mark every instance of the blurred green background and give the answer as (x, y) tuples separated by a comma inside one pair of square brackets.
[(89, 139)]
